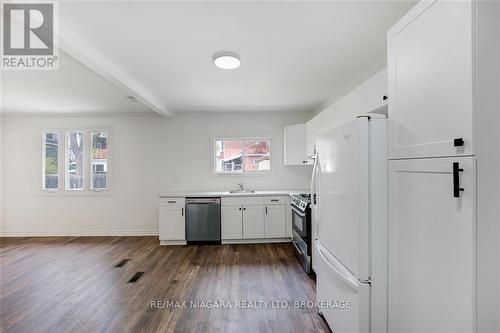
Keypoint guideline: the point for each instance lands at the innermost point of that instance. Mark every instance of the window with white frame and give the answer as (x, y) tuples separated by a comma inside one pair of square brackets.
[(50, 161), (242, 155), (99, 160), (79, 161)]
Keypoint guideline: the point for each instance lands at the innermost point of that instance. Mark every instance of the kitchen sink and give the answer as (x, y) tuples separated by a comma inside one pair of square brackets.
[(242, 191)]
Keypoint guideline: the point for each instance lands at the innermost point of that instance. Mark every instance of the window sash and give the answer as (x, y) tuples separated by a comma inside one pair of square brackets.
[(68, 180), (243, 154), (56, 175), (94, 166)]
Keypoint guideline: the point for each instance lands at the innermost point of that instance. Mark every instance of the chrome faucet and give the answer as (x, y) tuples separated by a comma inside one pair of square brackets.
[(241, 186)]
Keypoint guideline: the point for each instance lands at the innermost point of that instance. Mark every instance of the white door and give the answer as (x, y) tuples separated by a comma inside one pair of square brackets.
[(342, 187), (231, 222), (431, 245), (172, 223), (253, 222), (275, 221), (430, 73)]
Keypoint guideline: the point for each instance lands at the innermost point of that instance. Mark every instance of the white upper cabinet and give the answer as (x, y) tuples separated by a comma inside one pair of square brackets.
[(350, 106), (295, 145), (310, 137), (431, 81), (368, 97), (376, 91), (324, 120)]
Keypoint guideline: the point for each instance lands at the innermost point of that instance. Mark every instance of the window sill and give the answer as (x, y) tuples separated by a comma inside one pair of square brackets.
[(75, 193)]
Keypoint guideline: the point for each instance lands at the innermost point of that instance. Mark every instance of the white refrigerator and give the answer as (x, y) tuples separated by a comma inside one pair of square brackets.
[(351, 225)]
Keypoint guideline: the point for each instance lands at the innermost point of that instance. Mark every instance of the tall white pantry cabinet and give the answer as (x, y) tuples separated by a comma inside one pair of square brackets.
[(444, 168)]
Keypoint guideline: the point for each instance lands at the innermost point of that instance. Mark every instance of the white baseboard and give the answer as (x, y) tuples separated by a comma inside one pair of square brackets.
[(77, 233), (256, 241)]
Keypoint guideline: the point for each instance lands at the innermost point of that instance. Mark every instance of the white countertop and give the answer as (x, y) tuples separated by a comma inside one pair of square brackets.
[(181, 194)]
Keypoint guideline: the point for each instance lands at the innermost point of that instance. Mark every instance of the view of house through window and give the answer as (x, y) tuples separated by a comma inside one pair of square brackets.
[(99, 161), (51, 161), (242, 155), (74, 161), (85, 154)]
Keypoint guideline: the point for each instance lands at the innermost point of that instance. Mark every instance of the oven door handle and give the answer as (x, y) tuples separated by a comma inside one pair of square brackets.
[(298, 212), (294, 242)]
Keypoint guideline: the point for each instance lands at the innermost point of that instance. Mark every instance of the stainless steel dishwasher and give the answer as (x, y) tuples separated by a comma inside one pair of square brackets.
[(203, 220)]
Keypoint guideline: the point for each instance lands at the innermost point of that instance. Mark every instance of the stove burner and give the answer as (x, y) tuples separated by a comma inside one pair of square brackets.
[(301, 201)]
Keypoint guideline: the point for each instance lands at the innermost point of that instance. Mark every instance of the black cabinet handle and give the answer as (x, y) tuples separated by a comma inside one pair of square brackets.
[(244, 208), (182, 211), (456, 180), (385, 97), (266, 210), (239, 208), (458, 142)]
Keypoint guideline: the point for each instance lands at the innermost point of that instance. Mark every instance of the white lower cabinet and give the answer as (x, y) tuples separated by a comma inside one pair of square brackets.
[(231, 222), (432, 241), (253, 222), (275, 221), (254, 218), (171, 219)]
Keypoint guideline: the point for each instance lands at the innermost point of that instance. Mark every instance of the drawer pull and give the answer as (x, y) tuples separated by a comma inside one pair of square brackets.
[(171, 201), (274, 200)]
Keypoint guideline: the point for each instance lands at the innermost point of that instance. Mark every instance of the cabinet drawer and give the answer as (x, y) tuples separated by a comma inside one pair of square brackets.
[(281, 200), (240, 201), (172, 202)]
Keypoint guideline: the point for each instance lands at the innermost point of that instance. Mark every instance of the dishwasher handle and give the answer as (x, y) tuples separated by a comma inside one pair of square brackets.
[(203, 201)]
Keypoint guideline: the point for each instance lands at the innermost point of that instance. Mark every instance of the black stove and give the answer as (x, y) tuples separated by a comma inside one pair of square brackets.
[(301, 224)]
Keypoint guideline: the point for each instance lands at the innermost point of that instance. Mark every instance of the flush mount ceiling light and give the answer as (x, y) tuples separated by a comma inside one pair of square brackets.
[(226, 60)]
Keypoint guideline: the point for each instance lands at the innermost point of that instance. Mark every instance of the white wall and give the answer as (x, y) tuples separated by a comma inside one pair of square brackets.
[(153, 155), (1, 158)]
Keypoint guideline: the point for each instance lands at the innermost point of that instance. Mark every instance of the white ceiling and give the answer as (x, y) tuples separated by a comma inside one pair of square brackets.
[(72, 89), (295, 55)]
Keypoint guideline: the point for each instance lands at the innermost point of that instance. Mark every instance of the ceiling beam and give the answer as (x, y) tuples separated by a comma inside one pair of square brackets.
[(89, 56)]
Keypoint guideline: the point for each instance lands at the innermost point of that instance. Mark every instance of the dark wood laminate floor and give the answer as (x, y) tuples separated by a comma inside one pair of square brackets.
[(62, 284)]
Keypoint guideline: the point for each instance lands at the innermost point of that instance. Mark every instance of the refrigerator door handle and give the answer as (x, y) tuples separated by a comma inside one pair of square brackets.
[(338, 269), (313, 179)]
